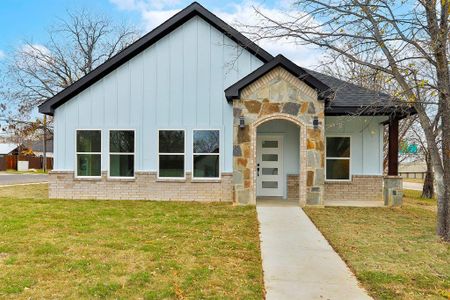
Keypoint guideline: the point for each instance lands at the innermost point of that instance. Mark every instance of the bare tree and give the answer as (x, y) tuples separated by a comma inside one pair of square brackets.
[(408, 39), (76, 45), (416, 135)]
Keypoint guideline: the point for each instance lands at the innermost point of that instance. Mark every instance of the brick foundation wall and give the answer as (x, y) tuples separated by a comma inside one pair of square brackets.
[(361, 187), (292, 187), (145, 186)]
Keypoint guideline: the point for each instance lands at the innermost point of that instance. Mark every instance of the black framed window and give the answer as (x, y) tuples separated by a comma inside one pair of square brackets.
[(171, 154), (206, 154), (88, 153), (121, 153), (338, 158)]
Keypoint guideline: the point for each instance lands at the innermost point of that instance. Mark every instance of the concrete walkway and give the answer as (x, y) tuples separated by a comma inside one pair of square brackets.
[(298, 262)]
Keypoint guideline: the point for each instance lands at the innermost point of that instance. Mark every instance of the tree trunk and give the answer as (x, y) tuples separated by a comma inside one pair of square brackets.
[(439, 171), (443, 217), (428, 184)]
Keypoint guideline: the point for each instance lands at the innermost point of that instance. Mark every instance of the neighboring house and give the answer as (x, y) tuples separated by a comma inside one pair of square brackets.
[(413, 169), (10, 149), (38, 147), (196, 111), (7, 149)]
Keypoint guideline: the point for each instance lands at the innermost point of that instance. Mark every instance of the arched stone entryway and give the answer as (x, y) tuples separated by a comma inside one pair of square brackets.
[(301, 147), (279, 95)]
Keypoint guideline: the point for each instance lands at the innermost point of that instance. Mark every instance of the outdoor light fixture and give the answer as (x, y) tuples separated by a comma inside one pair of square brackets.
[(316, 122), (241, 122)]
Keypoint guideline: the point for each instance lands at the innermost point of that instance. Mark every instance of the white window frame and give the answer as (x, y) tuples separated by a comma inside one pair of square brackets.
[(76, 153), (339, 158), (122, 153), (165, 153), (218, 154)]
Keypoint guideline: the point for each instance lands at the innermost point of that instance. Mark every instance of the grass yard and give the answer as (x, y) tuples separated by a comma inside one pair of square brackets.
[(34, 171), (57, 249), (394, 252)]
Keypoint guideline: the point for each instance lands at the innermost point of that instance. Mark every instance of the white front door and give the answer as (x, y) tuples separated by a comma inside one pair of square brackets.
[(269, 166)]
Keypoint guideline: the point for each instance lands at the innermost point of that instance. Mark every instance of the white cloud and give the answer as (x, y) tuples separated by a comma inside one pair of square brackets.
[(35, 49), (155, 12), (2, 55), (244, 14), (153, 18), (33, 54), (145, 5)]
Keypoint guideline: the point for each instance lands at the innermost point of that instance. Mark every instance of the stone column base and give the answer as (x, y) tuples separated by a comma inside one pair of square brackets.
[(393, 191)]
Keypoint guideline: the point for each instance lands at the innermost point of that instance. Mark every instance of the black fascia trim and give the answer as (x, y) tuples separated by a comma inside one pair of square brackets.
[(194, 9), (233, 92), (398, 111)]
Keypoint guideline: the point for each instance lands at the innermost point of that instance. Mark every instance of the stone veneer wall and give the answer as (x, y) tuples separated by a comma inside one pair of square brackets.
[(145, 186), (361, 187), (292, 187), (278, 95)]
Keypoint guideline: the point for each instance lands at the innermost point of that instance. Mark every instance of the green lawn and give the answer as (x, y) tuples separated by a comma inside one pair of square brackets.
[(58, 249), (394, 252)]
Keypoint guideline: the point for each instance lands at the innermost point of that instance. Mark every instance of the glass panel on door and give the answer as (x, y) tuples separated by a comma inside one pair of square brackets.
[(270, 184), (270, 171), (270, 144), (269, 157)]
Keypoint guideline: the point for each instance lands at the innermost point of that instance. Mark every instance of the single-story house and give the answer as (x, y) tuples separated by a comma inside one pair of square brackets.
[(196, 111), (413, 169), (7, 149), (38, 147), (10, 149)]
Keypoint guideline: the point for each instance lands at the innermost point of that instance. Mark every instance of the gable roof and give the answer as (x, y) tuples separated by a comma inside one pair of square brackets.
[(6, 148), (233, 92), (342, 97), (194, 9)]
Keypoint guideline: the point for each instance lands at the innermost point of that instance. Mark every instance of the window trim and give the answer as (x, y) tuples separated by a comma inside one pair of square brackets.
[(210, 154), (349, 158), (123, 153), (76, 153), (164, 153)]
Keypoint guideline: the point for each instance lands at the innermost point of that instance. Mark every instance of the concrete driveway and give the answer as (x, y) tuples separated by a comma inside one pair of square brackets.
[(12, 179)]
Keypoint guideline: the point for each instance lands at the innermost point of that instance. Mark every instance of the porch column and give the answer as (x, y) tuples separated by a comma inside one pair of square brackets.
[(393, 147), (393, 194)]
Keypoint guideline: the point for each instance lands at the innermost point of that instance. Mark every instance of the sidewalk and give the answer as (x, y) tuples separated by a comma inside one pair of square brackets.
[(298, 262)]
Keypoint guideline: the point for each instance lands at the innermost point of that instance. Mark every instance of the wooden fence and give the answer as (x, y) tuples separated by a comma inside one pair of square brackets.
[(10, 162), (413, 175)]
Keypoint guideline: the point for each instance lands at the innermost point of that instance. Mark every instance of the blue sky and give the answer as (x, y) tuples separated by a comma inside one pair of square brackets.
[(29, 19), (22, 20)]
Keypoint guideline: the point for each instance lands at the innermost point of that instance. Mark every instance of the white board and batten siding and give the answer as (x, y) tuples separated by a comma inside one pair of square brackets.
[(366, 141), (177, 83)]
